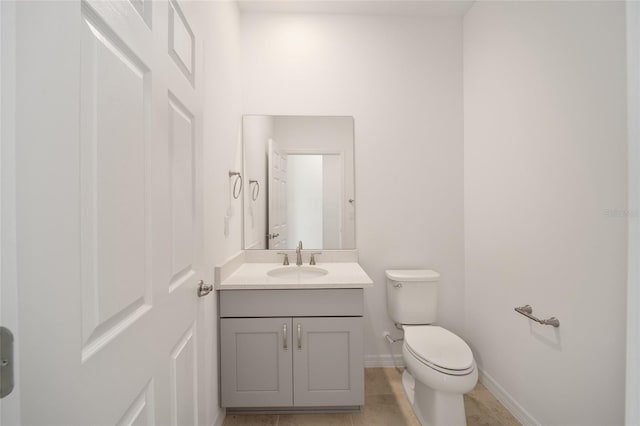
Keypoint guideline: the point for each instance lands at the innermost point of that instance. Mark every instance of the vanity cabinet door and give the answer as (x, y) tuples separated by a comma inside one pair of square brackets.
[(256, 362), (328, 365)]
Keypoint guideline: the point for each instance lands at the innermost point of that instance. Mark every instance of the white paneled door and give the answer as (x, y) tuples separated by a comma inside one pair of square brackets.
[(109, 211), (278, 225)]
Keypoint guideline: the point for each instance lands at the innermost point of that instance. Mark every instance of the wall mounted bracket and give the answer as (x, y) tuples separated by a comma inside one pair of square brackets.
[(527, 311)]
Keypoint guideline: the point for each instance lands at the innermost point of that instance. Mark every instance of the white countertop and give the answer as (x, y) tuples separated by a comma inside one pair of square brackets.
[(251, 276)]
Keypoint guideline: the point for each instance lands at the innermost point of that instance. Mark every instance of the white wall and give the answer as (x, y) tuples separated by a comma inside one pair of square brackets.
[(545, 201), (222, 152), (401, 79)]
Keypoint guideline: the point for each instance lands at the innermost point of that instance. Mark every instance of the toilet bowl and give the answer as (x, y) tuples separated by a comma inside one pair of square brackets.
[(441, 369), (440, 366)]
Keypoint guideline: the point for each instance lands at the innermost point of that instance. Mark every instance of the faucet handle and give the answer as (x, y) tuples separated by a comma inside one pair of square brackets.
[(312, 261), (286, 258)]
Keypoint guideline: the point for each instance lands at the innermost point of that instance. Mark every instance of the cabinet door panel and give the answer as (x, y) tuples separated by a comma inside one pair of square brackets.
[(328, 364), (256, 362)]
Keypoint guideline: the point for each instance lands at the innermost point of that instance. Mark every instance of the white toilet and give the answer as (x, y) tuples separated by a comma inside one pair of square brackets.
[(439, 365)]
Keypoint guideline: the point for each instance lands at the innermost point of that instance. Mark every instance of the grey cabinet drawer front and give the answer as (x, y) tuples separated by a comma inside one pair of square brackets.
[(278, 303)]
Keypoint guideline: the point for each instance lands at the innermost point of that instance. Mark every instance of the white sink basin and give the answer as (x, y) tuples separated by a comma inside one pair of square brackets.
[(297, 272)]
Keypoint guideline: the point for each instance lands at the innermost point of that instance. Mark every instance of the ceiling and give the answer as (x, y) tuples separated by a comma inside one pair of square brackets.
[(436, 8)]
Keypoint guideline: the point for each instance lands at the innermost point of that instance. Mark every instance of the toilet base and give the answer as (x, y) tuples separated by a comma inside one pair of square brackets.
[(433, 408), (409, 385)]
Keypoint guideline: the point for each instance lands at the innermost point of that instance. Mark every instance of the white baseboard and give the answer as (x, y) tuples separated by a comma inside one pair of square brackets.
[(377, 361), (507, 400), (220, 419)]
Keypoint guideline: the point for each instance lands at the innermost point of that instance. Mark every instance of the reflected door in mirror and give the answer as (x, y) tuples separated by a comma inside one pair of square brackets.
[(277, 219)]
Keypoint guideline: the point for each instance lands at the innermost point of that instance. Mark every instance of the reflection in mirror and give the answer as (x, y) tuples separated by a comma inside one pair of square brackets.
[(301, 174)]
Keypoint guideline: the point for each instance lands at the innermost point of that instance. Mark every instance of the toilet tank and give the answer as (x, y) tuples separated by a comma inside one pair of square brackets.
[(412, 295)]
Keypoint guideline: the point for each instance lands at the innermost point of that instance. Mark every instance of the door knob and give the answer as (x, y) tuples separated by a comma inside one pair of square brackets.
[(204, 289), (6, 362)]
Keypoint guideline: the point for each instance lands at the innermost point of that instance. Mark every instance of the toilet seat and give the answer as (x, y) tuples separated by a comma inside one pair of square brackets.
[(439, 349)]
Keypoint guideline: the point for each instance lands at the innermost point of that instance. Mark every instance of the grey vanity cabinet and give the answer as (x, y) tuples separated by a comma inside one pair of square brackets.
[(292, 361), (256, 362), (328, 368)]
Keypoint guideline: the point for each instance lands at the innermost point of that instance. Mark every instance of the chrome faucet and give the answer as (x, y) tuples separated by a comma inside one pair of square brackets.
[(299, 254)]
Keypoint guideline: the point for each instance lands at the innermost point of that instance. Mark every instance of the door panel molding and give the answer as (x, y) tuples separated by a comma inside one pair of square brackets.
[(181, 42), (114, 131), (141, 411), (184, 379), (182, 192)]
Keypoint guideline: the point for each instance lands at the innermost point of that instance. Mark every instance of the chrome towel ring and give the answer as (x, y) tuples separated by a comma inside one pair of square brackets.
[(255, 190), (237, 184)]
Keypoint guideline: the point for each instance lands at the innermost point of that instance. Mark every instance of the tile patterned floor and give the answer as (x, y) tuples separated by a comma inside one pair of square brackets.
[(385, 405)]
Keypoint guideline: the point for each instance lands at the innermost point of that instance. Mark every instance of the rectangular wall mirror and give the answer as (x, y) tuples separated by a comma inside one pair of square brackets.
[(299, 182)]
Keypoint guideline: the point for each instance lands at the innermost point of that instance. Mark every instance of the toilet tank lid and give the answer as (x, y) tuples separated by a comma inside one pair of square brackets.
[(412, 275)]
